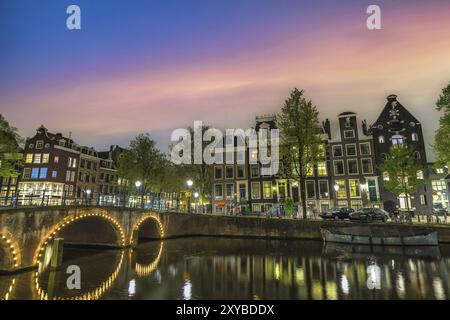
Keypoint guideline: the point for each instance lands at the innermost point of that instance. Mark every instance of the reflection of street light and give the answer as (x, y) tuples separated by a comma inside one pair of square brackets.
[(196, 201)]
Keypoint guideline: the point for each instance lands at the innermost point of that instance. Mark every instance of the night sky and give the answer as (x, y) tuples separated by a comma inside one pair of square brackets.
[(153, 66)]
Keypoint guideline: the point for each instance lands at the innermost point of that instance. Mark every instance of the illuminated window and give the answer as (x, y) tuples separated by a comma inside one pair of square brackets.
[(29, 158), (381, 139), (310, 170), (34, 173), (386, 176), (56, 160), (74, 163), (420, 174), (322, 168), (256, 192), (397, 140), (45, 158), (414, 137), (43, 173), (355, 188), (54, 173), (342, 191), (267, 186), (37, 158)]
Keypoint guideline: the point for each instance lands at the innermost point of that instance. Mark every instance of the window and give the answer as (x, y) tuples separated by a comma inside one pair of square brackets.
[(364, 149), (310, 190), (381, 139), (322, 168), (45, 158), (351, 150), (29, 158), (229, 190), (34, 173), (74, 163), (310, 170), (355, 188), (367, 166), (62, 142), (69, 162), (414, 137), (420, 174), (43, 173), (337, 151), (372, 189), (352, 166), (240, 171), (242, 191), (37, 158), (218, 173), (67, 175), (26, 173), (323, 189), (356, 204), (349, 134), (342, 191), (338, 167), (254, 170), (440, 170), (218, 191), (385, 176), (256, 192), (39, 144), (267, 186), (423, 200), (72, 176), (54, 173), (229, 172), (56, 160), (397, 140)]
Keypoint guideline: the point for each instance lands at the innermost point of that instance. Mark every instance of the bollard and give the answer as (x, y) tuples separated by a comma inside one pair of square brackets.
[(57, 253)]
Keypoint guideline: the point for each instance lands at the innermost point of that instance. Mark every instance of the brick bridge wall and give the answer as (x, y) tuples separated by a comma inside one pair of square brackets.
[(25, 233)]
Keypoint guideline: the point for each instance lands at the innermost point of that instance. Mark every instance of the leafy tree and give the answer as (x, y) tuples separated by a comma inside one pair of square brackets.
[(442, 138), (402, 168), (142, 161), (300, 139), (10, 157), (289, 207)]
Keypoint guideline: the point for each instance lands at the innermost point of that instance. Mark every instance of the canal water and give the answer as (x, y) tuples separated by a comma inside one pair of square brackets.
[(224, 268)]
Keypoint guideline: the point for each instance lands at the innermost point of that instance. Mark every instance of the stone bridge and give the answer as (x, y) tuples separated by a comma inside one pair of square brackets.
[(27, 234)]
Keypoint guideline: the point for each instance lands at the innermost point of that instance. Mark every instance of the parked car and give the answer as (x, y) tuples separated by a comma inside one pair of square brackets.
[(369, 214), (439, 210), (337, 213)]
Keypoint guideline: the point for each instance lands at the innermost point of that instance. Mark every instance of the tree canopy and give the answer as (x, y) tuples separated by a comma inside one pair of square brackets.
[(442, 138), (10, 156)]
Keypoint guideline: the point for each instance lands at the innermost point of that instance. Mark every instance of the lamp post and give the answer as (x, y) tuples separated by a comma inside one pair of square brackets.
[(189, 183), (138, 185), (88, 196), (196, 201), (336, 189)]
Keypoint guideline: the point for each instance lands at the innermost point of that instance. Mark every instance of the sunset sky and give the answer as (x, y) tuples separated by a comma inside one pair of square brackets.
[(153, 66)]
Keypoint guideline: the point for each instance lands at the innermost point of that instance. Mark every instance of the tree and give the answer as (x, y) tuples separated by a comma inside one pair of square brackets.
[(442, 138), (301, 144), (142, 161), (200, 174), (403, 171), (10, 157)]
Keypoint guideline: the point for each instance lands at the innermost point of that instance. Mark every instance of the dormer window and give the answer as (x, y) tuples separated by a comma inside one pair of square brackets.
[(349, 134), (62, 142), (39, 144), (414, 137), (397, 140), (381, 139)]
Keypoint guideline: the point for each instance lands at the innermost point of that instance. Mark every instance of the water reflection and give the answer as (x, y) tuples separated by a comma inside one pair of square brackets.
[(217, 268)]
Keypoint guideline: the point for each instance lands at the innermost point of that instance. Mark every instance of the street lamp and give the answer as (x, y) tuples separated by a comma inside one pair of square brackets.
[(138, 185), (189, 183), (196, 201), (88, 193)]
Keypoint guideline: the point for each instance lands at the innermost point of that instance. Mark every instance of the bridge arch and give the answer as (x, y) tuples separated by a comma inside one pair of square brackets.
[(11, 256), (95, 294), (57, 229), (143, 270), (142, 221)]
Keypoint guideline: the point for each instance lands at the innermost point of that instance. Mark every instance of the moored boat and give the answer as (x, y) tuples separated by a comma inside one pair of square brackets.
[(381, 235)]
